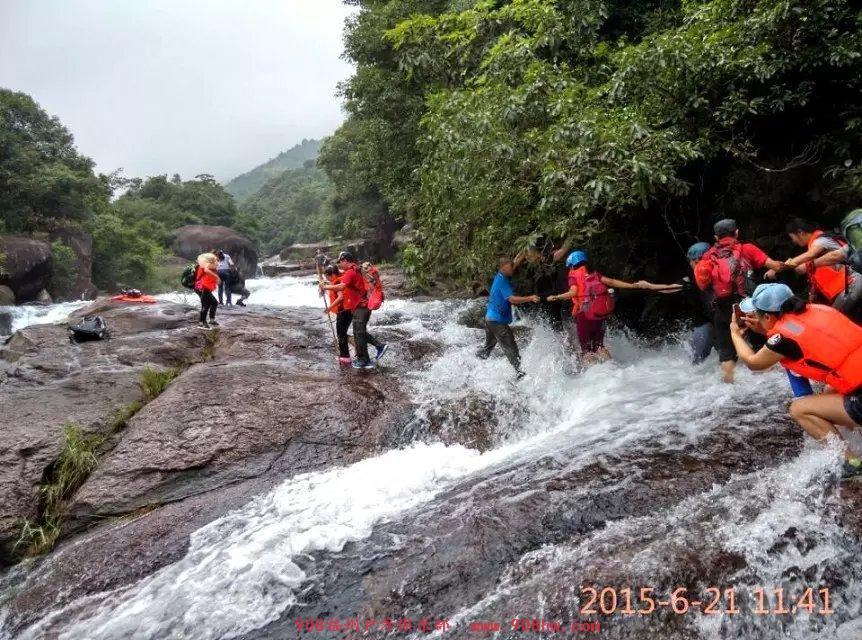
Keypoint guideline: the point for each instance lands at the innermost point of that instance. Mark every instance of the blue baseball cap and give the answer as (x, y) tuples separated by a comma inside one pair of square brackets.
[(576, 258), (767, 297), (696, 251)]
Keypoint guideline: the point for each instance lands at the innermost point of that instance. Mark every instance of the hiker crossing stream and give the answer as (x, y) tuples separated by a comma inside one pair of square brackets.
[(504, 502)]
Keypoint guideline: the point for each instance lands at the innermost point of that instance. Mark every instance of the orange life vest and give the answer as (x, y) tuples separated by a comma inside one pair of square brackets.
[(333, 295), (829, 280), (831, 346)]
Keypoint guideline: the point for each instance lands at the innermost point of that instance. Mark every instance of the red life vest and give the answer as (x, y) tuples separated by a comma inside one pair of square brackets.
[(830, 280), (729, 269), (831, 346), (593, 298)]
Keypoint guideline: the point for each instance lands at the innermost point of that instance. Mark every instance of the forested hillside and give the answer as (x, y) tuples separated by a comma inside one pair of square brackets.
[(247, 184), (296, 206), (626, 126)]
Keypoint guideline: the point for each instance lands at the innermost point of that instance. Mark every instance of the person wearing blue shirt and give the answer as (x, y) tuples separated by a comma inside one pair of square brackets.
[(498, 317)]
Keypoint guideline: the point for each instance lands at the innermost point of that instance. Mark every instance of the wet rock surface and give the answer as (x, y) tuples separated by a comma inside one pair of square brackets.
[(455, 550), (267, 401)]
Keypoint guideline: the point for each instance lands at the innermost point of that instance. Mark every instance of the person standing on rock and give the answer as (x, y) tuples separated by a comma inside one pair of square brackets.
[(355, 296), (225, 271), (206, 281), (342, 316), (498, 316)]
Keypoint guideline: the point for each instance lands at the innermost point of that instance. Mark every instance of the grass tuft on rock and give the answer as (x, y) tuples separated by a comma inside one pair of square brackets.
[(154, 382), (73, 466)]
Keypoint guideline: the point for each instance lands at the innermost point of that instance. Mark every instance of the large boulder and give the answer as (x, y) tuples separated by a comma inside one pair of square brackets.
[(26, 266), (192, 240), (7, 296), (82, 288)]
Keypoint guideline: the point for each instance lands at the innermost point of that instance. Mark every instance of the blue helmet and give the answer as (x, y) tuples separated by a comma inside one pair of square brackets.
[(576, 258), (696, 251)]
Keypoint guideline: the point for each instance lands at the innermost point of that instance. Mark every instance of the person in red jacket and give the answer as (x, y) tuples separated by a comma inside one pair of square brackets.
[(207, 281), (813, 341), (726, 272), (352, 284)]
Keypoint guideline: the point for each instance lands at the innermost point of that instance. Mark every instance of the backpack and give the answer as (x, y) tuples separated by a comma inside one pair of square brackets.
[(89, 328), (598, 303), (375, 288), (189, 276), (730, 269)]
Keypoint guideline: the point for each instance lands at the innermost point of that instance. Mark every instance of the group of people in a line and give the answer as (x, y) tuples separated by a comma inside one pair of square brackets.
[(818, 338), (354, 292), (216, 271)]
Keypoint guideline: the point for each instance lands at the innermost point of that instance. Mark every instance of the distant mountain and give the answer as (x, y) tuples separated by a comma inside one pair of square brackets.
[(249, 183)]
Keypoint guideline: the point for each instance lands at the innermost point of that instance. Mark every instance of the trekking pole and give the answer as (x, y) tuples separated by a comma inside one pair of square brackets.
[(326, 309)]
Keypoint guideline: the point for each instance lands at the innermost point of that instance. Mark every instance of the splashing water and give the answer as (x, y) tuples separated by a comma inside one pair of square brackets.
[(28, 315), (776, 524)]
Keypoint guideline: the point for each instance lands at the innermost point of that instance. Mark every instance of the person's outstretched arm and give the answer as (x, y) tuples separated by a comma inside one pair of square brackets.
[(568, 295), (833, 257), (622, 284), (523, 299), (561, 253)]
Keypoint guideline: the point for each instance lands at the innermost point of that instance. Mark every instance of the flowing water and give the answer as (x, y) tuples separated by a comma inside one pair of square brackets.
[(642, 473), (27, 315)]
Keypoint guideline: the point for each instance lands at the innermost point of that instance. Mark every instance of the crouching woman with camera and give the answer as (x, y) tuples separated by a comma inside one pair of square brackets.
[(816, 342)]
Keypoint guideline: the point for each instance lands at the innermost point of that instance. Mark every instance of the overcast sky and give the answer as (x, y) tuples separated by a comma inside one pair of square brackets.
[(179, 86)]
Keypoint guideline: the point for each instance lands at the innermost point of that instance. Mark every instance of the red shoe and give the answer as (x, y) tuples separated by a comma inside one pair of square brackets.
[(344, 361)]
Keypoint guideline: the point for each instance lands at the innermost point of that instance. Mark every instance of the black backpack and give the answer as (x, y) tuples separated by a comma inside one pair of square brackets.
[(89, 328)]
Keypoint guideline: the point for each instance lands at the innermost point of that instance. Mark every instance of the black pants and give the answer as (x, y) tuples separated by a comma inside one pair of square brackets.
[(497, 332), (342, 324), (208, 305), (224, 286), (361, 316)]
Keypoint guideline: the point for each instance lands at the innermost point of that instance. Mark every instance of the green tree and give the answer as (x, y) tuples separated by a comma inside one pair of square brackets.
[(588, 118), (44, 181)]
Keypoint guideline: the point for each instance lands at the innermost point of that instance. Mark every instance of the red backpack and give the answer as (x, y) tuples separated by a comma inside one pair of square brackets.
[(375, 287), (598, 303), (730, 270)]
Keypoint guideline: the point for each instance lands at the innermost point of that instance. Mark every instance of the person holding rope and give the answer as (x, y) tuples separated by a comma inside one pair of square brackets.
[(342, 316), (593, 303)]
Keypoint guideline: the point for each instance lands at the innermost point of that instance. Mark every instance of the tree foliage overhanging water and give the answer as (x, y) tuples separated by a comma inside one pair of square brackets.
[(492, 124)]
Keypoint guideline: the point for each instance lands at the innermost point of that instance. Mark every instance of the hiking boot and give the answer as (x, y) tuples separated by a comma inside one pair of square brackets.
[(213, 323), (240, 303), (381, 351), (852, 469), (203, 325), (344, 360)]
